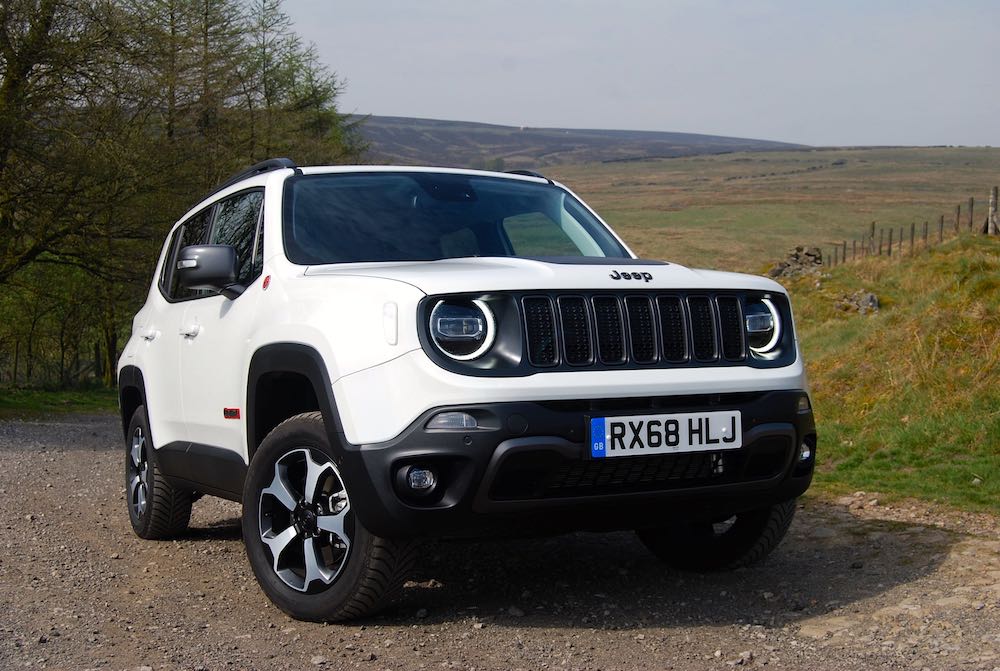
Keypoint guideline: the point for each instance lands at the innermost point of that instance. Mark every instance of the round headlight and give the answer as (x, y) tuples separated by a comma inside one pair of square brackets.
[(763, 325), (462, 330)]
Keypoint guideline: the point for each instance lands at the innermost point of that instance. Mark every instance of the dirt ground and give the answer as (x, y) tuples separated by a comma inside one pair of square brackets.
[(855, 585)]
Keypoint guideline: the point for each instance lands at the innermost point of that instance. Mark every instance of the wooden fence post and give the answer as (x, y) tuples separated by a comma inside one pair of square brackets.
[(900, 249), (913, 231), (891, 231), (871, 241), (843, 254), (993, 221), (881, 232), (972, 202), (941, 229), (958, 217), (854, 250), (925, 235)]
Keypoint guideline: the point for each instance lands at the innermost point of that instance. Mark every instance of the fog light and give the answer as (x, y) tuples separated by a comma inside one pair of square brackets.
[(456, 421), (805, 452), (420, 479)]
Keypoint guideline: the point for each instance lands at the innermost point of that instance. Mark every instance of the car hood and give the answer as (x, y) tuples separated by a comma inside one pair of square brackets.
[(518, 274)]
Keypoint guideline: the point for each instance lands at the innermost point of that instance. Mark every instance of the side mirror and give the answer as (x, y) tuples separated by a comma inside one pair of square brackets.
[(211, 267)]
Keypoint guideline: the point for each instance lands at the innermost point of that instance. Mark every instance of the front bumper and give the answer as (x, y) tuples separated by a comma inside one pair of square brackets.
[(527, 470)]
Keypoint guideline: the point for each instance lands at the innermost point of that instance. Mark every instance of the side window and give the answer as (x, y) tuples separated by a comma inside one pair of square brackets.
[(236, 225), (191, 232), (168, 260), (535, 234)]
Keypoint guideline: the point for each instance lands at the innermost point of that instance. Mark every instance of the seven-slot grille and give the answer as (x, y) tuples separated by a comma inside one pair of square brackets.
[(613, 330)]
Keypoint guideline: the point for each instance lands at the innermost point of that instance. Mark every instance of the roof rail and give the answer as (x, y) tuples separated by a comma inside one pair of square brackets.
[(529, 173), (256, 169)]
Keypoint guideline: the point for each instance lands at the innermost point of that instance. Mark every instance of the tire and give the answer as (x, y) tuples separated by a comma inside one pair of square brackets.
[(156, 509), (741, 540), (352, 573)]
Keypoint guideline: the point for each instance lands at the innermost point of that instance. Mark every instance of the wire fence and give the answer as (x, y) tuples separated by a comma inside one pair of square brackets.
[(903, 240)]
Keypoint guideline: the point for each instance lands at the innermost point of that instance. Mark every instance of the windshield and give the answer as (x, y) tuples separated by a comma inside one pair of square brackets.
[(353, 217)]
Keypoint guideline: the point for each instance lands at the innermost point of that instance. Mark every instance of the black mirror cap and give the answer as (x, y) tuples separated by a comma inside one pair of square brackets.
[(211, 267)]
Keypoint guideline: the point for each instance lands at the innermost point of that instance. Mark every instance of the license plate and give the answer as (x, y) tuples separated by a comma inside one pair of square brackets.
[(665, 434)]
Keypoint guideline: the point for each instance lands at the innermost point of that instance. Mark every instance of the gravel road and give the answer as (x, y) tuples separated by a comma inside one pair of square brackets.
[(855, 585)]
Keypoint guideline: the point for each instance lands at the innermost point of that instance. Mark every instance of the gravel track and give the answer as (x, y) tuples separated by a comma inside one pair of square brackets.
[(848, 589)]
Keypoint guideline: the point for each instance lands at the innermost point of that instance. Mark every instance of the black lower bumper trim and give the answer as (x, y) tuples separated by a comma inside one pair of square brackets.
[(527, 470)]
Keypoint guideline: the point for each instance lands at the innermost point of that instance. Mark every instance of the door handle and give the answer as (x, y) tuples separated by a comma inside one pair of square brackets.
[(149, 334), (190, 331)]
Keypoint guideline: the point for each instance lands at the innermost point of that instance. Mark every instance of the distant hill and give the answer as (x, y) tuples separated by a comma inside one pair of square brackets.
[(407, 140)]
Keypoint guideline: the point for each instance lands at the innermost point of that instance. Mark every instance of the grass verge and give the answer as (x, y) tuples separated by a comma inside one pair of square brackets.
[(908, 400), (37, 403)]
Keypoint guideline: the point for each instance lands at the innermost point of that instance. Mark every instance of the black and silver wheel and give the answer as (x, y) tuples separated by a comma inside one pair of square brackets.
[(311, 554), (727, 543), (156, 508)]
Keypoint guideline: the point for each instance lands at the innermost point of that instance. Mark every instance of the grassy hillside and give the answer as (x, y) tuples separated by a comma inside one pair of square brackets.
[(466, 144), (742, 211), (908, 399)]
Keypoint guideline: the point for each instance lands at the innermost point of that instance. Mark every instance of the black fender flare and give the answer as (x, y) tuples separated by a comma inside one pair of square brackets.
[(130, 377), (302, 360)]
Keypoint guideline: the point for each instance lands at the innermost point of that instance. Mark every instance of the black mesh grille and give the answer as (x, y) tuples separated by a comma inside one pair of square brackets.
[(543, 474), (641, 330), (672, 328), (731, 326), (610, 334), (575, 330), (702, 328), (539, 327), (540, 475)]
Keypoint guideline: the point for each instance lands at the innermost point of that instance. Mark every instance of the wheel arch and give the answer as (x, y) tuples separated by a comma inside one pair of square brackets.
[(131, 394), (284, 380)]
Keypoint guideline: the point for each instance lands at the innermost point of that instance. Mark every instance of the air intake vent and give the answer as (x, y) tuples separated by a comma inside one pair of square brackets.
[(702, 328), (539, 326), (575, 330), (610, 329), (641, 330), (731, 326), (673, 331)]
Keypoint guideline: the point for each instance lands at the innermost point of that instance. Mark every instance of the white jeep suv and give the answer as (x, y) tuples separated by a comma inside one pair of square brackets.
[(367, 356)]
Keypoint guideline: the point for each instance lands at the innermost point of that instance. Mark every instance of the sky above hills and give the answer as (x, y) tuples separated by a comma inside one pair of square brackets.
[(845, 72)]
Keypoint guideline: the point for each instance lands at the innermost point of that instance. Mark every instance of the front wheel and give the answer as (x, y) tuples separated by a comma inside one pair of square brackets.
[(739, 540), (309, 551)]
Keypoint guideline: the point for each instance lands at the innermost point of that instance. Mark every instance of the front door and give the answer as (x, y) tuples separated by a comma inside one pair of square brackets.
[(214, 353)]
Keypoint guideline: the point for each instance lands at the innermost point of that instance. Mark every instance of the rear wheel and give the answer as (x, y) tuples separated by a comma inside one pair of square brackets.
[(156, 508), (309, 551), (739, 540)]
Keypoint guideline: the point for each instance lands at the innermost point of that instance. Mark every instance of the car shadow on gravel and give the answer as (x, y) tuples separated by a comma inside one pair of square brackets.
[(228, 529), (829, 560)]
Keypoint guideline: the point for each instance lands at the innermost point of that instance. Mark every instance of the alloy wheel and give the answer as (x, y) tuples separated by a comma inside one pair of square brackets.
[(303, 520), (138, 474)]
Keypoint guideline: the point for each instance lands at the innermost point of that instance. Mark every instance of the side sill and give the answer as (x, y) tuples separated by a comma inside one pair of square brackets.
[(204, 468)]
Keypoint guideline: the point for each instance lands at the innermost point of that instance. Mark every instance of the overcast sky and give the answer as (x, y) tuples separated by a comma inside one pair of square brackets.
[(823, 73)]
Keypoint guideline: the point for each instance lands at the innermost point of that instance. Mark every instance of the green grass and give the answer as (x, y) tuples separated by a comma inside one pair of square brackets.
[(743, 211), (36, 403), (908, 400)]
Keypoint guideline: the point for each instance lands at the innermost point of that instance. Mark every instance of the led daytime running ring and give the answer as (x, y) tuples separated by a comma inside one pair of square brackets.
[(776, 336)]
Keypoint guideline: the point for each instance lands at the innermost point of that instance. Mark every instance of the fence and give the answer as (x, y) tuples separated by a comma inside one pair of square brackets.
[(888, 238)]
